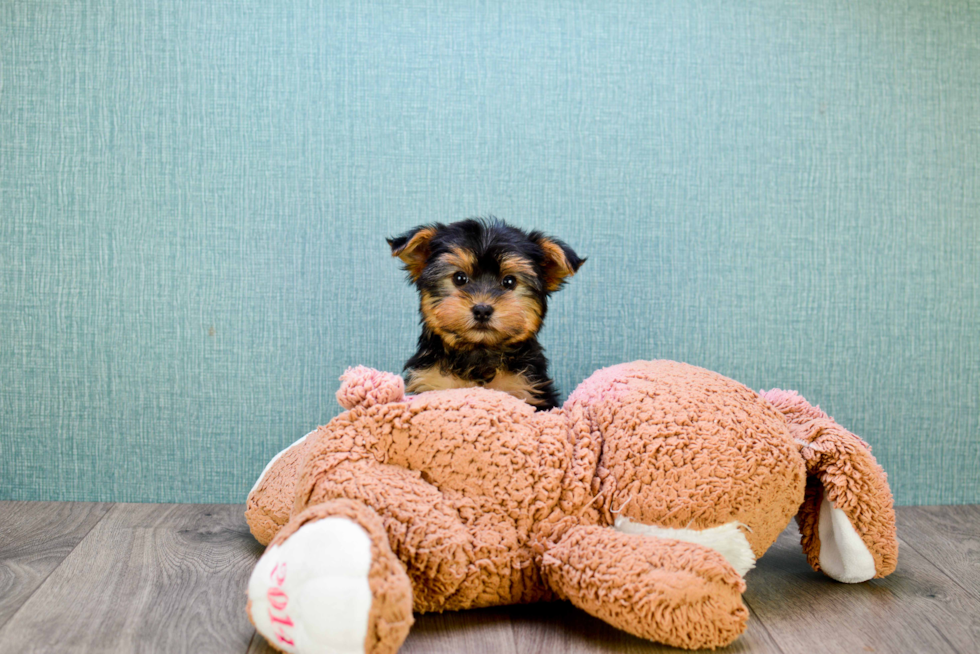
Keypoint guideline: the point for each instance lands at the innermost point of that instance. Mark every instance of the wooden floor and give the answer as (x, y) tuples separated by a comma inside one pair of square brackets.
[(78, 577)]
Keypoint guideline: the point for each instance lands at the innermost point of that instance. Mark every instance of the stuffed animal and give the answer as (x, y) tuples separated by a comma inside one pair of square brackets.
[(644, 500)]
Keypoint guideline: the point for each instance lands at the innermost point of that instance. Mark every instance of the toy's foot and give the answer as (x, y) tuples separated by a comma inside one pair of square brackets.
[(330, 583)]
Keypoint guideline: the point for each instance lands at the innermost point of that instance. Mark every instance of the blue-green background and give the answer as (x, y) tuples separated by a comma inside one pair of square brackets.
[(194, 198)]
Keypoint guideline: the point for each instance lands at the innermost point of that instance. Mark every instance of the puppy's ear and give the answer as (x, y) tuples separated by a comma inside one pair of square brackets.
[(412, 247), (560, 261)]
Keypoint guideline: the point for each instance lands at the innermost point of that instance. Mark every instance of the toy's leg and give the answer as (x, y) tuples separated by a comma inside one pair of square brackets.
[(669, 591), (847, 520), (329, 582), (424, 530), (270, 501)]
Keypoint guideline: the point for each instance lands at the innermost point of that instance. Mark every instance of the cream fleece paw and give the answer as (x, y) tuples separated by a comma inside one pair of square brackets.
[(311, 593), (843, 554), (727, 539)]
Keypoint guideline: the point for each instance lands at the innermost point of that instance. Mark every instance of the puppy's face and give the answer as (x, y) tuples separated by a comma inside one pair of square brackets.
[(483, 283)]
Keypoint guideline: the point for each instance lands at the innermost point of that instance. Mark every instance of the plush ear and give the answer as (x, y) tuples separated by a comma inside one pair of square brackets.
[(412, 247), (560, 261), (847, 519), (362, 386)]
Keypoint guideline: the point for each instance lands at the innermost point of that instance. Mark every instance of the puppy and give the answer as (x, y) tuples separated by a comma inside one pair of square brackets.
[(484, 289)]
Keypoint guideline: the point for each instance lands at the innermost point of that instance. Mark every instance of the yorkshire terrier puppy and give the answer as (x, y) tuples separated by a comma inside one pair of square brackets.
[(484, 289)]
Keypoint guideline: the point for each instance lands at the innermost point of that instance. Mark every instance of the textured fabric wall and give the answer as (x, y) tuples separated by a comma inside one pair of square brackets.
[(194, 195)]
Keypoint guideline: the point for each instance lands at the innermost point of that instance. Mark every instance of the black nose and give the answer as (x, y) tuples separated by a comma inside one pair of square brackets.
[(482, 312)]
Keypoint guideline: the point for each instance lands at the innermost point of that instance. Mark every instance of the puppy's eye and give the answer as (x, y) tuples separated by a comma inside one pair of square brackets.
[(509, 282), (460, 278)]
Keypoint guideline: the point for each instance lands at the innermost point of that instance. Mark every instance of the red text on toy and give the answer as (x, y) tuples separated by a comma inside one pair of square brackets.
[(277, 602)]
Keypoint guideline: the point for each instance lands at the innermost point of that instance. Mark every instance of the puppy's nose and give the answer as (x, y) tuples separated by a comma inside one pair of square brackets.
[(482, 312)]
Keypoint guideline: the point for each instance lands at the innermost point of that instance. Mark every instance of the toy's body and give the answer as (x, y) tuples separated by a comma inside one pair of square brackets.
[(643, 500)]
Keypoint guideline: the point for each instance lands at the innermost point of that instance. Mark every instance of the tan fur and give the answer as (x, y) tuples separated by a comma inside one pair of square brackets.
[(516, 384), (421, 380), (415, 253), (517, 266), (460, 259), (433, 379), (556, 267), (452, 319), (516, 317)]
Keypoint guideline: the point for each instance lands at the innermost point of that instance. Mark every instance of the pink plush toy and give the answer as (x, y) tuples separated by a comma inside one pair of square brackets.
[(644, 501)]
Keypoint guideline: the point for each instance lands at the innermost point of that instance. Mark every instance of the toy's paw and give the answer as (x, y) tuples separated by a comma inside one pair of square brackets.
[(329, 582), (311, 593), (362, 386)]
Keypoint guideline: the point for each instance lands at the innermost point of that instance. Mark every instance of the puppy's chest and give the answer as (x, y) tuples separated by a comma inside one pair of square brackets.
[(435, 379)]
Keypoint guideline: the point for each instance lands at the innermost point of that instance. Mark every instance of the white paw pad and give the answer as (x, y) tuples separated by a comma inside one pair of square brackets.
[(311, 593)]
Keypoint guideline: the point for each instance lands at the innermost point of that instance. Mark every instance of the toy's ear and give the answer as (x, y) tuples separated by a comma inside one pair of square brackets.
[(560, 261), (847, 519), (362, 386), (412, 247)]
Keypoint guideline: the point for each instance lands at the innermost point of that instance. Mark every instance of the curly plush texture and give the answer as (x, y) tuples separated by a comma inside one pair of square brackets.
[(270, 503), (484, 501), (677, 593), (363, 386), (841, 469), (685, 447)]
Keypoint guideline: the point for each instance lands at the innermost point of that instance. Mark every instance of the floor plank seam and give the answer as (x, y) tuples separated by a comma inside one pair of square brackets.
[(27, 599), (905, 543), (248, 647), (940, 633), (755, 616), (513, 636)]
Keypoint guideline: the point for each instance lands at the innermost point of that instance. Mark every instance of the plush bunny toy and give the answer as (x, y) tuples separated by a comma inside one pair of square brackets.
[(644, 501)]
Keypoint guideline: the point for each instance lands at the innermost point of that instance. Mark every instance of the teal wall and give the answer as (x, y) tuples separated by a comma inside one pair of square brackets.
[(194, 195)]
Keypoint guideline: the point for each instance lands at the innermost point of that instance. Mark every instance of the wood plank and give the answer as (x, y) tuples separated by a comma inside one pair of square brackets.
[(949, 537), (35, 539), (165, 577), (915, 609), (147, 578), (482, 631)]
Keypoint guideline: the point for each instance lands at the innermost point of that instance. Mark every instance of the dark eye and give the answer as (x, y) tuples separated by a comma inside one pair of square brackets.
[(460, 278), (509, 282)]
